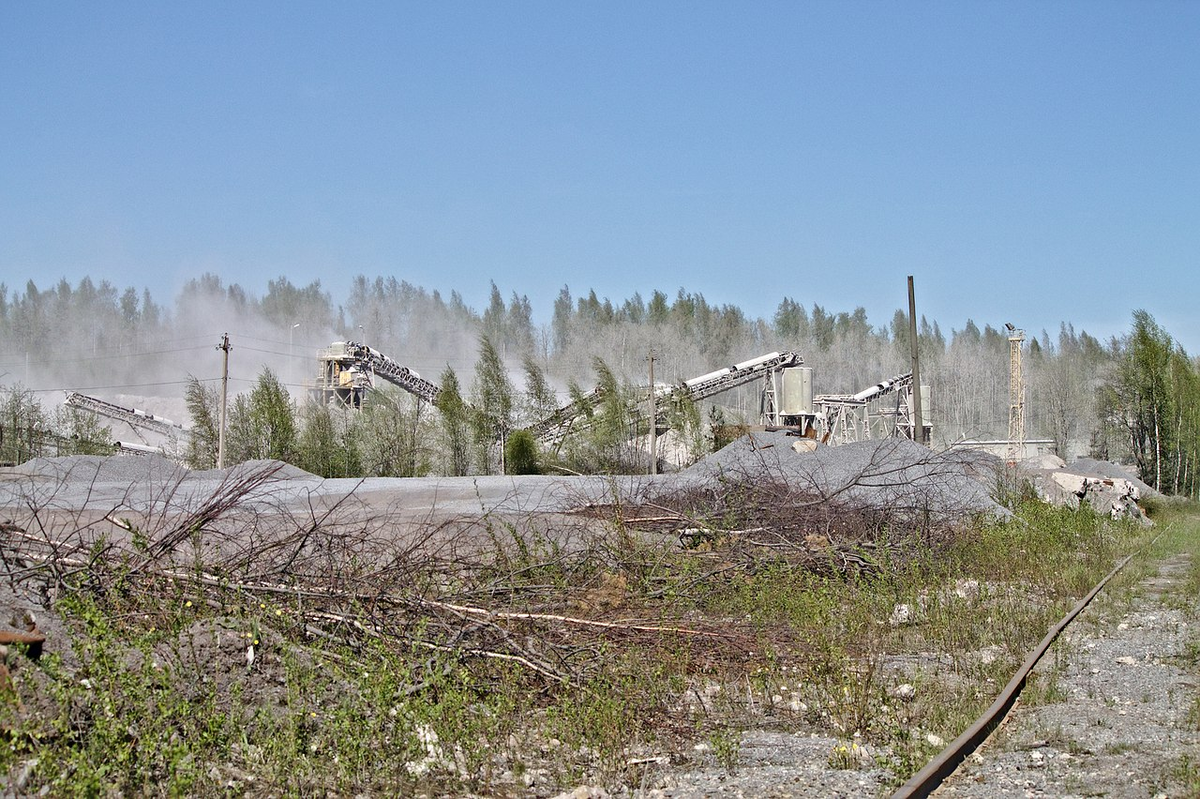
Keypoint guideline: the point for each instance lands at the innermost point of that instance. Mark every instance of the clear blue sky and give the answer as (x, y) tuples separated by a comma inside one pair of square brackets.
[(1027, 162)]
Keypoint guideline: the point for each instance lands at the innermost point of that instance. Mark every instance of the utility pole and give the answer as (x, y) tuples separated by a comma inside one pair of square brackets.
[(653, 418), (225, 347), (918, 421)]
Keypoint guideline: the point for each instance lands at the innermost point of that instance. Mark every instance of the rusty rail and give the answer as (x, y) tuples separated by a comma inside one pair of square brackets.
[(927, 780)]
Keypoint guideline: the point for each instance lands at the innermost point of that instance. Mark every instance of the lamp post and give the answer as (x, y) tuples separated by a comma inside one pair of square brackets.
[(292, 352)]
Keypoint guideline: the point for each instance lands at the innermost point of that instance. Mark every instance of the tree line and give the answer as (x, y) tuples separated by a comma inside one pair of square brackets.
[(96, 334)]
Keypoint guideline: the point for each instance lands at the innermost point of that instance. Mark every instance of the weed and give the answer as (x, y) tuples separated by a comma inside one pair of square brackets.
[(726, 743), (846, 756), (1186, 772)]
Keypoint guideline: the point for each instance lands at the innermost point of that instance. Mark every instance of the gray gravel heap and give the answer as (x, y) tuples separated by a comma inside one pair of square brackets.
[(890, 473), (103, 469)]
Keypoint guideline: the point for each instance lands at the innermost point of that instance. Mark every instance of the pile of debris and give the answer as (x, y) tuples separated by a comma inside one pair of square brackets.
[(1108, 488)]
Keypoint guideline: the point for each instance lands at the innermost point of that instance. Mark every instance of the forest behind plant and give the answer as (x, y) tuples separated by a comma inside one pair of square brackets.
[(1133, 398)]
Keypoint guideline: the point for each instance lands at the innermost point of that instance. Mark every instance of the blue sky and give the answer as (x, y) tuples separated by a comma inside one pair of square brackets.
[(1026, 162)]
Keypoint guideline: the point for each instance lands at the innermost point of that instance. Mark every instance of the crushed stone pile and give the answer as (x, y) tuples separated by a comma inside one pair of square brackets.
[(155, 468), (143, 483), (892, 474), (103, 468), (282, 471)]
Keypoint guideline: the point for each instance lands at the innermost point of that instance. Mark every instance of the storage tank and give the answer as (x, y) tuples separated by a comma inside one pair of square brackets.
[(797, 391)]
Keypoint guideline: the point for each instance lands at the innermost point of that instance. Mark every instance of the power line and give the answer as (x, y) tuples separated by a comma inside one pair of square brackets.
[(90, 359), (121, 385)]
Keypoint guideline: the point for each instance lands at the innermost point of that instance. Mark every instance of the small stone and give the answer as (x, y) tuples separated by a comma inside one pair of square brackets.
[(990, 654), (905, 691), (902, 614), (584, 792), (935, 740)]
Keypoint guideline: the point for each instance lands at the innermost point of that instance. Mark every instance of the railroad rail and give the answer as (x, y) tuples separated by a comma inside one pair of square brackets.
[(929, 778)]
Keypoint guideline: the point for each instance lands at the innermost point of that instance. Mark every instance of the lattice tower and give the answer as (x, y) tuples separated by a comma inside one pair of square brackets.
[(1016, 396)]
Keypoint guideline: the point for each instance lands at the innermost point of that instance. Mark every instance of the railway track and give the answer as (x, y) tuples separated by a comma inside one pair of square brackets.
[(1126, 723)]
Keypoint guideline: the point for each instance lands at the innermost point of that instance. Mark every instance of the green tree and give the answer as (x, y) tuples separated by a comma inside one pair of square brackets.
[(791, 321), (22, 426), (202, 405), (455, 420), (328, 443), (82, 431), (262, 425), (395, 446), (658, 311), (561, 322), (521, 453), (615, 423), (1143, 399), (492, 398), (540, 400), (683, 417)]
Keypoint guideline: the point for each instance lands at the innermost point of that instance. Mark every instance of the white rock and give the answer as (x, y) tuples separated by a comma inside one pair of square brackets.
[(935, 740), (902, 614), (966, 589), (905, 691), (990, 654)]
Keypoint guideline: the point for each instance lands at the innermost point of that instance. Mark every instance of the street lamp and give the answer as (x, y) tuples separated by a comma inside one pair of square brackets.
[(292, 352)]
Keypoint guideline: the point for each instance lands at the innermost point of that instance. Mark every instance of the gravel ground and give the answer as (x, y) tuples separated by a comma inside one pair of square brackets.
[(1123, 727)]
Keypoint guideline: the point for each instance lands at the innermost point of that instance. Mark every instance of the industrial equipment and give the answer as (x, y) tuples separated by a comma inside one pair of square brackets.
[(848, 418), (138, 420), (578, 414), (349, 369)]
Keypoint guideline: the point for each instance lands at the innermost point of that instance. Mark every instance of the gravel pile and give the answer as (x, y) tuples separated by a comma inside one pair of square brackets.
[(143, 483), (282, 471), (103, 469), (891, 473)]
